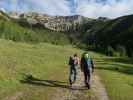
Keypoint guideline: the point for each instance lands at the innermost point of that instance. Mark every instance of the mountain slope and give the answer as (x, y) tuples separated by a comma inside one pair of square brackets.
[(55, 23), (11, 30), (100, 33), (4, 15), (117, 32), (43, 61)]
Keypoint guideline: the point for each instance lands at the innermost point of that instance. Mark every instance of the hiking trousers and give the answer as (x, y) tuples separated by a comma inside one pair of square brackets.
[(72, 74), (87, 77)]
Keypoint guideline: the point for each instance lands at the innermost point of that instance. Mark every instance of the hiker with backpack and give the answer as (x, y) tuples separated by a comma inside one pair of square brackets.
[(87, 67), (73, 63)]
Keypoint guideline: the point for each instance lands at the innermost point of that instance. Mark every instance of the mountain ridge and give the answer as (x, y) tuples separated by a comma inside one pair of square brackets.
[(101, 33), (55, 23)]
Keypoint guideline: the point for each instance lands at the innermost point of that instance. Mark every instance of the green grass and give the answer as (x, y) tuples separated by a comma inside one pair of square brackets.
[(43, 61), (49, 62), (11, 30), (117, 75)]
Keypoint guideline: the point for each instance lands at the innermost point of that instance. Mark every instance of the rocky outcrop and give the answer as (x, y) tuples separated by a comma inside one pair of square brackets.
[(56, 23), (3, 15), (75, 23), (64, 23)]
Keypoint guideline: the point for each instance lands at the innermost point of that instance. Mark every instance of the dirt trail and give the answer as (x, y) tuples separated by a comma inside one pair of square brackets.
[(15, 96), (99, 89), (79, 92)]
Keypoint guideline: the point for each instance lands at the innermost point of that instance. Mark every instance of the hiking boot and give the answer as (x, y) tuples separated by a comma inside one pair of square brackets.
[(70, 84), (88, 86), (74, 81)]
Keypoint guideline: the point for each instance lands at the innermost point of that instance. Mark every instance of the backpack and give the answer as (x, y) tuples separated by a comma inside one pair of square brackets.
[(75, 61), (88, 60), (71, 61)]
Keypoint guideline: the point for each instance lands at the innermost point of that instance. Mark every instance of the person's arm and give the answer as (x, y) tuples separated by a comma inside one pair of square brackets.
[(78, 61), (92, 65)]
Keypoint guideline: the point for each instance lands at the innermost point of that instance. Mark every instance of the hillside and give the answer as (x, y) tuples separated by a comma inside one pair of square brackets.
[(20, 59), (32, 69), (55, 23), (49, 70), (98, 33), (102, 34), (11, 30), (4, 15), (117, 33)]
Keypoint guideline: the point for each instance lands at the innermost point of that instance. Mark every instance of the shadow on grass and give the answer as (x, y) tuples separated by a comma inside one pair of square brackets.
[(48, 83)]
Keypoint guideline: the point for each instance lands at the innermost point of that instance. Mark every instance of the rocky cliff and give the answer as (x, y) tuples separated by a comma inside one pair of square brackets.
[(56, 23)]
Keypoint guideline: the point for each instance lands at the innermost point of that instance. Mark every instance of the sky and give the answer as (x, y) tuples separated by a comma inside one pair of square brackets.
[(88, 8)]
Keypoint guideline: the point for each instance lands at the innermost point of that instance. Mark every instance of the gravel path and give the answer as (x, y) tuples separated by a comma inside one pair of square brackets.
[(79, 92)]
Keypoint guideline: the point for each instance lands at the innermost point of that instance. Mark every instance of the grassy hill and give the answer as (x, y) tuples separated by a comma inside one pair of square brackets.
[(11, 30), (48, 63), (113, 37), (116, 74), (116, 33), (43, 61), (21, 61)]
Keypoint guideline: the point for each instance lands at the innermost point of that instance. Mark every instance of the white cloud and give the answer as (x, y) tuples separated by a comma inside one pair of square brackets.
[(53, 7), (89, 8), (111, 8)]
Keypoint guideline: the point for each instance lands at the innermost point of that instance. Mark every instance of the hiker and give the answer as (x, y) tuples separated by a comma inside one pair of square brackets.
[(73, 63), (87, 67)]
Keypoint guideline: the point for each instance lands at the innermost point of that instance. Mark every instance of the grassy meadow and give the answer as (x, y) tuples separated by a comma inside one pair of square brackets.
[(46, 62), (117, 76), (48, 65)]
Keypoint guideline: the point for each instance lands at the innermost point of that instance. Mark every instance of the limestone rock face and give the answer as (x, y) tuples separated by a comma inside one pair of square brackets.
[(75, 23), (56, 23), (64, 23)]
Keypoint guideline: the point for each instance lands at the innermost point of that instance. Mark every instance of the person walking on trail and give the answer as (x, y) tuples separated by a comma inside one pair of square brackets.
[(87, 67), (73, 63)]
